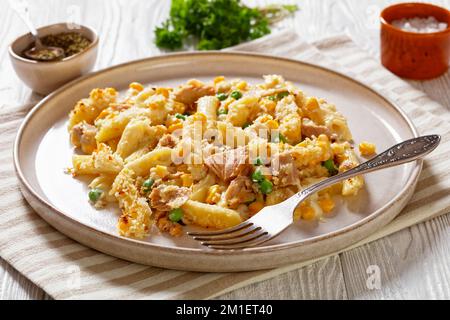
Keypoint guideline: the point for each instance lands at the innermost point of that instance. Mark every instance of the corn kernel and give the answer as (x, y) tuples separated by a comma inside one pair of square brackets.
[(136, 86), (312, 104), (179, 151), (195, 83), (213, 195), (111, 91), (270, 105), (122, 226), (154, 106), (172, 120), (337, 148), (323, 138), (367, 148), (178, 107), (272, 124), (297, 213), (304, 211), (88, 148), (341, 158), (161, 171), (241, 85), (175, 126), (255, 207), (186, 180), (265, 118), (200, 117), (308, 213), (144, 95), (219, 79), (302, 144), (163, 91), (103, 114), (326, 204)]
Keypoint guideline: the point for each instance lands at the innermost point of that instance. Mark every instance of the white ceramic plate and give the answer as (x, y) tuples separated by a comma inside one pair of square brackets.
[(42, 152)]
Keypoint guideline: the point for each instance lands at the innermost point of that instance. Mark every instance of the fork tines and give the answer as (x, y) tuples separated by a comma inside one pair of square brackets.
[(243, 235)]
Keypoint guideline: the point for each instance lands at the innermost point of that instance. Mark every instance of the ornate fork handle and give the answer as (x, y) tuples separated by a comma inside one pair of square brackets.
[(403, 152)]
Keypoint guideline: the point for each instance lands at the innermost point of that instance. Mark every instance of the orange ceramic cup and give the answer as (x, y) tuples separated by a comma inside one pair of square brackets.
[(415, 55)]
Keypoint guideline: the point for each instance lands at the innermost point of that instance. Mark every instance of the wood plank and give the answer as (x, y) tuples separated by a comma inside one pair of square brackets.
[(437, 89), (321, 280), (14, 286), (413, 264)]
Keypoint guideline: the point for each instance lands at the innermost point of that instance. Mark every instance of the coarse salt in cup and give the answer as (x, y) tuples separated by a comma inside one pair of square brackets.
[(409, 51)]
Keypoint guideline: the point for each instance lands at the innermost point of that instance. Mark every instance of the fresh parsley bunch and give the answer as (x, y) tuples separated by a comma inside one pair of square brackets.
[(216, 24)]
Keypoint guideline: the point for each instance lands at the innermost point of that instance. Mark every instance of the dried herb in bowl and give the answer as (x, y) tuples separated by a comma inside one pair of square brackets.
[(71, 42), (216, 24)]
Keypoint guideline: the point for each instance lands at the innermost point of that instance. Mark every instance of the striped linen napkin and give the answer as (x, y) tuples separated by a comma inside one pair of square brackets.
[(68, 270)]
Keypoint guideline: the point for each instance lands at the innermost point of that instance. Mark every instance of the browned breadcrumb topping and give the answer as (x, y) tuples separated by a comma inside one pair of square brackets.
[(165, 225)]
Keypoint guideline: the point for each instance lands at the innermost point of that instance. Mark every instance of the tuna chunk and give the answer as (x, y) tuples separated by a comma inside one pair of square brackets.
[(229, 164), (168, 140), (168, 197), (239, 191), (309, 129), (285, 171), (82, 135), (192, 91)]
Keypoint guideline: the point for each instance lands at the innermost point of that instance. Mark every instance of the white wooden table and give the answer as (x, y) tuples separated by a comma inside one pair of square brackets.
[(414, 263)]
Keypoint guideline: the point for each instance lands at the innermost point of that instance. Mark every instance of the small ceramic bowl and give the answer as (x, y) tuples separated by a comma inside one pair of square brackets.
[(415, 55), (45, 77)]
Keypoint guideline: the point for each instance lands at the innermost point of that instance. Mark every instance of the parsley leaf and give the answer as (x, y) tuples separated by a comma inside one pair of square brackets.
[(216, 24)]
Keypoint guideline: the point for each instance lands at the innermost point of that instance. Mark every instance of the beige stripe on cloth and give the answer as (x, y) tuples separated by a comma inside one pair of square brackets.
[(51, 260)]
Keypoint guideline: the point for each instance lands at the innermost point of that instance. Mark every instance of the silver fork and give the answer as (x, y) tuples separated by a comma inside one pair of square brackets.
[(272, 220)]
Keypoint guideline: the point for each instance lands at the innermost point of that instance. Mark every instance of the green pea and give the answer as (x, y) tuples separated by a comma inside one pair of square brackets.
[(180, 116), (266, 186), (281, 95), (222, 111), (147, 185), (176, 215), (257, 176), (236, 95), (95, 194), (222, 96), (258, 162), (272, 98), (331, 167)]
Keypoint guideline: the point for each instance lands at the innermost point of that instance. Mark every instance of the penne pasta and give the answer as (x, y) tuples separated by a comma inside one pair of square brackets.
[(209, 154), (208, 106), (142, 165), (210, 216), (113, 127)]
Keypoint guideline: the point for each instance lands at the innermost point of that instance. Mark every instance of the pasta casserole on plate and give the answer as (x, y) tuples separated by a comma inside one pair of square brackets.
[(209, 154)]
